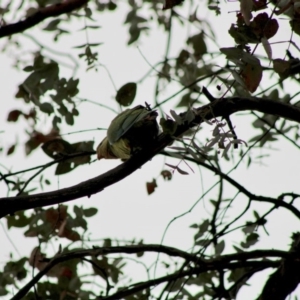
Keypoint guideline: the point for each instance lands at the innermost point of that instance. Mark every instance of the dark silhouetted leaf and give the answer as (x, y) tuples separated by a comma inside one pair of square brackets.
[(47, 108), (89, 212), (126, 94), (166, 174), (151, 187), (13, 115), (63, 168)]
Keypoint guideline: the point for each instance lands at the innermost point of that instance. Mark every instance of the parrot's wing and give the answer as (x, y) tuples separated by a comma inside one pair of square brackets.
[(124, 121)]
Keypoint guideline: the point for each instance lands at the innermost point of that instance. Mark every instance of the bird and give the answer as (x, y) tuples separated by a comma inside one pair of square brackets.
[(129, 132)]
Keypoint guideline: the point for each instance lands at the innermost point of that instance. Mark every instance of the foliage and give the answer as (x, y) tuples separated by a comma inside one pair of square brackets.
[(214, 267)]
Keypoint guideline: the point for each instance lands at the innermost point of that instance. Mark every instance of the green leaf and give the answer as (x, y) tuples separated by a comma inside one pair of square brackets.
[(52, 25), (204, 226), (57, 148), (88, 45), (47, 108), (107, 243), (126, 94), (89, 212), (198, 44), (220, 247), (63, 168), (168, 126), (28, 69), (90, 27), (18, 220), (69, 119), (202, 243), (78, 211)]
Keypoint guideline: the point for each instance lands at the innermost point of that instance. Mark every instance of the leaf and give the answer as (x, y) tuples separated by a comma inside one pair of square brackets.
[(171, 166), (89, 27), (262, 25), (69, 119), (251, 240), (203, 242), (246, 9), (181, 171), (168, 126), (176, 117), (28, 69), (13, 115), (18, 220), (47, 108), (225, 151), (249, 228), (252, 75), (267, 47), (256, 215), (171, 3), (237, 77), (189, 116), (151, 186), (87, 46), (11, 149), (126, 94), (271, 28), (166, 174), (89, 212), (63, 168), (235, 54), (52, 25), (198, 44), (57, 148), (220, 248), (282, 67), (204, 226)]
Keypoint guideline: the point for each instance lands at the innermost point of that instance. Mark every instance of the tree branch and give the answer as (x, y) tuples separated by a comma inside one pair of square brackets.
[(54, 10), (278, 202), (286, 278), (10, 205), (230, 261)]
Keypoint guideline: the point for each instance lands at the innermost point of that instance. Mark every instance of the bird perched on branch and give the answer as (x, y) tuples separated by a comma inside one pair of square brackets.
[(130, 131)]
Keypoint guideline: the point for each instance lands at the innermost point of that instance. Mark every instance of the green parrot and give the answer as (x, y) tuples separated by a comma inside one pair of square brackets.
[(130, 131)]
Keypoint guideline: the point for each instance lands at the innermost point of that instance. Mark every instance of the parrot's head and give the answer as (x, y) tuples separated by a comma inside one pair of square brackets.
[(120, 149), (104, 151)]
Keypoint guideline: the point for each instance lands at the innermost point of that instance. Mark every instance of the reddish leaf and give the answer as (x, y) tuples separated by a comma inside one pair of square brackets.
[(271, 28), (65, 231), (263, 26), (252, 75), (167, 175), (56, 216), (151, 187), (14, 115), (11, 149), (181, 171), (171, 3), (282, 67)]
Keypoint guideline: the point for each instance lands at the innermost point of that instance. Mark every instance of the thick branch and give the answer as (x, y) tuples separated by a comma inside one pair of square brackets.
[(286, 278), (54, 10), (92, 186)]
